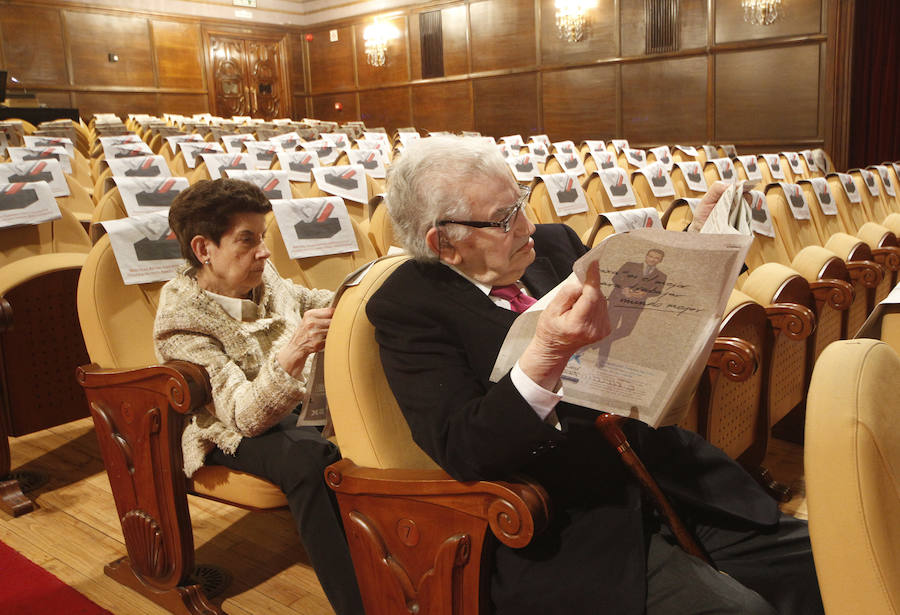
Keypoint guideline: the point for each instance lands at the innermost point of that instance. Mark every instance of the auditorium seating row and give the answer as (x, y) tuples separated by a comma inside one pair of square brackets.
[(811, 283)]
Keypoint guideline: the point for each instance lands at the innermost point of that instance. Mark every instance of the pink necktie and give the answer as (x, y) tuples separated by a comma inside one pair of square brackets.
[(518, 301)]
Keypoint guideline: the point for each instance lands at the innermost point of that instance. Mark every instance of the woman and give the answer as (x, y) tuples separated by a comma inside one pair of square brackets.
[(229, 311)]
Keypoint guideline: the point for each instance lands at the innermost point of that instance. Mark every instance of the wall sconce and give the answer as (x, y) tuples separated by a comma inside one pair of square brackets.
[(571, 19), (377, 36), (760, 12)]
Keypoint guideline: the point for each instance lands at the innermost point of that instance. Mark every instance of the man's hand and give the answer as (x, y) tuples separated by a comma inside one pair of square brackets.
[(575, 318), (307, 339), (706, 204)]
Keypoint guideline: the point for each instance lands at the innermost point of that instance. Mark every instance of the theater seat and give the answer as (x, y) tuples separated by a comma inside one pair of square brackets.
[(139, 410), (852, 464), (420, 541)]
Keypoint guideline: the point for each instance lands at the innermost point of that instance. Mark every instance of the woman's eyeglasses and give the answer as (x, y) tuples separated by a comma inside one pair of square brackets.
[(503, 224)]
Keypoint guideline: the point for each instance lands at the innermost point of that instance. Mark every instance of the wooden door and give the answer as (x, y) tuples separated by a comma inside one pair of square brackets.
[(248, 76)]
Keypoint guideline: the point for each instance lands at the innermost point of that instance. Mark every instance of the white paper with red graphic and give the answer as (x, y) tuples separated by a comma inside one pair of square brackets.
[(659, 179), (773, 161), (287, 140), (217, 164), (541, 139), (760, 219), (127, 150), (663, 156), (618, 188), (886, 179), (32, 154), (565, 147), (725, 167), (796, 200), (172, 141), (140, 196), (635, 157), (594, 145), (824, 198), (571, 163), (326, 152), (539, 151), (604, 159), (850, 188), (27, 203), (751, 168), (632, 219), (274, 184), (688, 150), (711, 152), (523, 166), (619, 145), (48, 141), (869, 180), (192, 149), (793, 159), (315, 227), (693, 175), (369, 159), (41, 171), (513, 141), (234, 144), (145, 247), (345, 181), (566, 193), (144, 166), (298, 164)]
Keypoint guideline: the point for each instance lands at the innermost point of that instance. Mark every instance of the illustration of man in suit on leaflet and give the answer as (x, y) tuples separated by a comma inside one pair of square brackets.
[(633, 284)]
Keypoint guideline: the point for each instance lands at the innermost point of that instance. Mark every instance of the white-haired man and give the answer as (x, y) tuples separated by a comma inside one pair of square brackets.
[(440, 320)]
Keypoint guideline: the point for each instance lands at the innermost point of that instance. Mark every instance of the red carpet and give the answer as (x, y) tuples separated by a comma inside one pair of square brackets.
[(28, 589)]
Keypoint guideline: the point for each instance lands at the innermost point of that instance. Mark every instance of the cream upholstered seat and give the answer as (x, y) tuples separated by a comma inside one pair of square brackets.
[(416, 536), (852, 465), (539, 202), (139, 411), (65, 234)]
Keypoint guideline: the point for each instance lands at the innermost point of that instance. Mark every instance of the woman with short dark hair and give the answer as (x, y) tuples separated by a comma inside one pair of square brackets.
[(254, 332)]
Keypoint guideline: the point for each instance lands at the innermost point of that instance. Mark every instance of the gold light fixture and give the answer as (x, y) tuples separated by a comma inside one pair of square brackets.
[(761, 12), (377, 36), (571, 19)]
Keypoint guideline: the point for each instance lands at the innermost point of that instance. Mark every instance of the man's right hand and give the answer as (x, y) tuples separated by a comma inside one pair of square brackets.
[(575, 318)]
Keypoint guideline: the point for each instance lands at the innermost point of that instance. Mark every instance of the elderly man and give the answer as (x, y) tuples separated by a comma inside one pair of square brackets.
[(440, 320)]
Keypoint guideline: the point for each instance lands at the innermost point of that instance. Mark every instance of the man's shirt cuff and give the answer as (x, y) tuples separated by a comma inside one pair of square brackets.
[(540, 399)]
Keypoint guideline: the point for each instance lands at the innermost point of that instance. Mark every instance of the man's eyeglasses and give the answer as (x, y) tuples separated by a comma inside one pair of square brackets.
[(503, 224)]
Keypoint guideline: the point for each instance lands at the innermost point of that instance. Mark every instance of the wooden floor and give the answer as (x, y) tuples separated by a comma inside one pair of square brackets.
[(74, 530)]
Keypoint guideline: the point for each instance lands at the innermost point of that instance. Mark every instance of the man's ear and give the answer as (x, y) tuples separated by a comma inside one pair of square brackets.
[(200, 247), (441, 246)]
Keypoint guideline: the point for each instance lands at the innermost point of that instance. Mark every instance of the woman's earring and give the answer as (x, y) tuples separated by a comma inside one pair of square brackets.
[(206, 262)]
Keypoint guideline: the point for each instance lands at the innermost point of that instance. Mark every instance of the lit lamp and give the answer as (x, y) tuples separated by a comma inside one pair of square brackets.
[(377, 36), (571, 18), (760, 12)]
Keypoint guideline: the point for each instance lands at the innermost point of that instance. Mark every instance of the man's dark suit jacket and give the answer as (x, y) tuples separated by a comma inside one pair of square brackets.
[(439, 336)]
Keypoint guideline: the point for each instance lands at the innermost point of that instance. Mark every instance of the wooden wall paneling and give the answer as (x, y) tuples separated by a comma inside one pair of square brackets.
[(184, 104), (300, 110), (692, 24), (443, 106), (507, 105), (600, 40), (389, 108), (580, 103), (664, 101), (92, 36), (53, 98), (179, 52), (121, 103), (331, 65), (502, 34), (839, 54), (296, 64), (632, 28), (768, 94), (800, 17), (33, 50), (454, 30), (414, 44), (323, 107), (396, 65)]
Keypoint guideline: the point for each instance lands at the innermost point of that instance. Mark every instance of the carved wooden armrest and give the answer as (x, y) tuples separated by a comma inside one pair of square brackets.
[(734, 357), (515, 511), (6, 315), (869, 274), (838, 294), (139, 415), (888, 257), (795, 321)]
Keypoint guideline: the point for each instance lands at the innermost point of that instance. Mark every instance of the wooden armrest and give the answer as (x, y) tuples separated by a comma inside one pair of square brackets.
[(186, 385), (888, 257), (867, 273), (838, 294), (6, 315), (515, 511), (735, 358), (795, 321)]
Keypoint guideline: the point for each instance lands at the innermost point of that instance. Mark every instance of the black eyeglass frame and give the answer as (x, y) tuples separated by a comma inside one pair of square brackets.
[(505, 224)]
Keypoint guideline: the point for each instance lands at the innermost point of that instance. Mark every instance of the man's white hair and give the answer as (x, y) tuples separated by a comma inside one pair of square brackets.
[(425, 184)]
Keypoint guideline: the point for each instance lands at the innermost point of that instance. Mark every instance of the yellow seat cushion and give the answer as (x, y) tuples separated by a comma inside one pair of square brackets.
[(234, 487)]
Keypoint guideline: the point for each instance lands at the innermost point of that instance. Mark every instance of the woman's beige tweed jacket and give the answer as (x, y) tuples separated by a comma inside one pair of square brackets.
[(251, 392)]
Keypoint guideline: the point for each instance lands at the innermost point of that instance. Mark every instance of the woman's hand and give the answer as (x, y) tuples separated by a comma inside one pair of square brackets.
[(307, 339)]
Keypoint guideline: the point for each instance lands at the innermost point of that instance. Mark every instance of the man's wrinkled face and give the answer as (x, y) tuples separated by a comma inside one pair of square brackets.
[(489, 255)]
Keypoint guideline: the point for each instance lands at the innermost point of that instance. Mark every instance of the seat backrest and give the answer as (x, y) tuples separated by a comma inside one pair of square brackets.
[(381, 230), (370, 426), (116, 319), (318, 271), (795, 233), (63, 235), (110, 207), (852, 465), (540, 203)]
